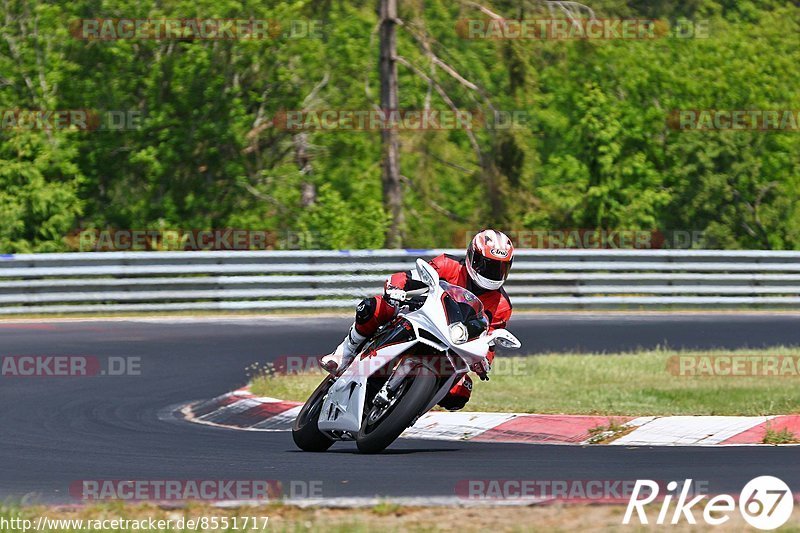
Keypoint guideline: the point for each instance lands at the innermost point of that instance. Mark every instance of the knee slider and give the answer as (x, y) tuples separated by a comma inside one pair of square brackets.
[(365, 310)]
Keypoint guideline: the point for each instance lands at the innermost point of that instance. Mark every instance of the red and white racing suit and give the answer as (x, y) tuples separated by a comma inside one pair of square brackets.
[(376, 311)]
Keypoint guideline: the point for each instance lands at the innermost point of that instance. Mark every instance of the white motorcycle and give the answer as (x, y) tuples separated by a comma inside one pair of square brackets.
[(403, 371)]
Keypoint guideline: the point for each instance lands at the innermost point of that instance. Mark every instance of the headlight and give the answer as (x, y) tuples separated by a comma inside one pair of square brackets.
[(458, 333)]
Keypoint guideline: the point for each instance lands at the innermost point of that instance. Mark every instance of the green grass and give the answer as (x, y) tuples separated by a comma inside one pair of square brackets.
[(783, 436), (604, 434), (637, 384)]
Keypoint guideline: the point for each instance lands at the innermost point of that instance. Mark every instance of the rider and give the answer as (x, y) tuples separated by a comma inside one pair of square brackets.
[(482, 272)]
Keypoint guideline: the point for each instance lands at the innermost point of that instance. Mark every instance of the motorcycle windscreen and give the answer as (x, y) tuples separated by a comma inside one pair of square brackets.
[(462, 306)]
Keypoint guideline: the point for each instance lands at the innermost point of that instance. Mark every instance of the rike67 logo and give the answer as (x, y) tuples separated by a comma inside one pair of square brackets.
[(765, 503)]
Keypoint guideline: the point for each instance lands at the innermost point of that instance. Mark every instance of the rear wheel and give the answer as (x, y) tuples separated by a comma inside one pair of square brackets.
[(382, 425), (305, 432)]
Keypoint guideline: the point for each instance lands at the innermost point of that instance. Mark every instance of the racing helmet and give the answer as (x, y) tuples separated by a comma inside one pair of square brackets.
[(489, 258)]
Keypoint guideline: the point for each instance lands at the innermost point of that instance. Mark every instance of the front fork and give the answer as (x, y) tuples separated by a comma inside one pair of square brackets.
[(406, 367), (392, 385)]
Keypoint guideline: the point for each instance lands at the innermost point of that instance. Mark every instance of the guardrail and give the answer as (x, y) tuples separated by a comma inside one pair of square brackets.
[(264, 280)]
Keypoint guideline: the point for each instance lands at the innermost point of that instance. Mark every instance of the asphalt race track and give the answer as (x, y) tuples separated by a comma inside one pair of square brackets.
[(58, 430)]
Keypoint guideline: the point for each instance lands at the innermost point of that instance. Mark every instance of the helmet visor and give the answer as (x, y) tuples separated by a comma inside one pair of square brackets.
[(489, 268)]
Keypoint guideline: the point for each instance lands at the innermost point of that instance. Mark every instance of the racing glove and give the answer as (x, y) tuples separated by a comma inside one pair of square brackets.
[(395, 287), (401, 287), (394, 294), (482, 368)]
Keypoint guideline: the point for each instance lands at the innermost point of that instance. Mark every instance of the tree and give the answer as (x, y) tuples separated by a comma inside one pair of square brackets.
[(392, 190)]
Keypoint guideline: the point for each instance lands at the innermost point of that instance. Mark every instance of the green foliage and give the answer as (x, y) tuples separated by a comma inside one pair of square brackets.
[(38, 196), (784, 436), (595, 150), (336, 225)]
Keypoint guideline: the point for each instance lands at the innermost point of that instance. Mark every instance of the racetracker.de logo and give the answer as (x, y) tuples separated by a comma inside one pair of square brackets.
[(734, 365), (734, 119), (194, 489), (562, 490), (599, 239), (70, 119), (398, 120), (433, 366), (189, 239), (28, 366), (210, 29), (561, 29)]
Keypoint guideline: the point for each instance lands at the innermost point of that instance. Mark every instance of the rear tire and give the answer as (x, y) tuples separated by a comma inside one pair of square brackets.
[(415, 396), (305, 432)]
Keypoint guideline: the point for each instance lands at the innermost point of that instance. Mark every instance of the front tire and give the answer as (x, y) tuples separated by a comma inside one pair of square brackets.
[(305, 431), (415, 393)]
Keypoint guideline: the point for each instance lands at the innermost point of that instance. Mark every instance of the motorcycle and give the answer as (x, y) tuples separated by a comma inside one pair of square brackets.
[(403, 371)]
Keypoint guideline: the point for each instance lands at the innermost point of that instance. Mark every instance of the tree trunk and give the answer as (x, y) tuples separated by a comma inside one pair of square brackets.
[(308, 194), (392, 192)]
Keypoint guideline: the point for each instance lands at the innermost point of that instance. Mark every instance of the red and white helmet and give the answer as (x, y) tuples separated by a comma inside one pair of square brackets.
[(489, 258)]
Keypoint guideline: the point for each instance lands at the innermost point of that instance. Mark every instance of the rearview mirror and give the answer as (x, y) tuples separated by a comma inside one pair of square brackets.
[(427, 274), (504, 339)]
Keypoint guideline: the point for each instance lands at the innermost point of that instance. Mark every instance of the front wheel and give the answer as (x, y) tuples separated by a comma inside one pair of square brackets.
[(305, 432), (382, 425)]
